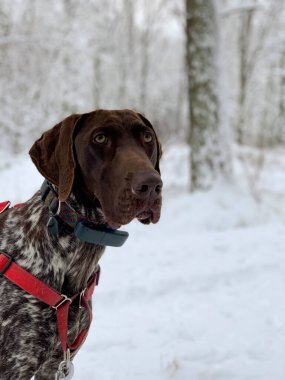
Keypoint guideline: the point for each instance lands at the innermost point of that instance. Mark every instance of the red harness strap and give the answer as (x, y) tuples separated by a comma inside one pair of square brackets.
[(61, 303), (4, 206)]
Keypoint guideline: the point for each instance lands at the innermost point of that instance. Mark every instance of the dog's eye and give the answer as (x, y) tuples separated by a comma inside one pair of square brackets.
[(101, 138), (147, 137)]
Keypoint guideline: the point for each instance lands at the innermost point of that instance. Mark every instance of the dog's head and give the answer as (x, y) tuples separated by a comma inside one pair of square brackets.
[(107, 158)]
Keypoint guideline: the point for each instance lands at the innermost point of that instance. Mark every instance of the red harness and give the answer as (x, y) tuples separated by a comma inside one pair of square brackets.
[(60, 302), (4, 206)]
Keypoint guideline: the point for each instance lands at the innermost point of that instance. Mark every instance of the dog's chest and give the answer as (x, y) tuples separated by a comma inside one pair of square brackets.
[(60, 262)]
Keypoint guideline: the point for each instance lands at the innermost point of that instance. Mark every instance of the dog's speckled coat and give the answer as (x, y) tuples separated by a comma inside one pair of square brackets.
[(29, 342)]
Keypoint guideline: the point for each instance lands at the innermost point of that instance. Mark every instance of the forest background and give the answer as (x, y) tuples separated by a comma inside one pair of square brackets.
[(63, 57)]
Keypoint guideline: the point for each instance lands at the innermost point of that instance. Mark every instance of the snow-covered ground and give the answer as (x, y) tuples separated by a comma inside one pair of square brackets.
[(199, 296)]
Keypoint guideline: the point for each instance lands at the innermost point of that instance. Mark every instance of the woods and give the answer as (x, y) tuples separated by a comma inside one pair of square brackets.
[(207, 73)]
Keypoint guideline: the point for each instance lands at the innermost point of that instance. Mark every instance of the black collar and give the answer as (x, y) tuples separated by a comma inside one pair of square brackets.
[(84, 229)]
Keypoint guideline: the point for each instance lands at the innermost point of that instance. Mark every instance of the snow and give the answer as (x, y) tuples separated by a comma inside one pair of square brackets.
[(198, 296)]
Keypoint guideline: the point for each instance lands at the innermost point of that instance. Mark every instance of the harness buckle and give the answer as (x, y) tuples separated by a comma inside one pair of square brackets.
[(9, 262), (62, 301)]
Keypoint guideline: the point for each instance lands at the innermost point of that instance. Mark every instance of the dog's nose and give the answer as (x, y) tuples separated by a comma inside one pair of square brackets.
[(147, 185)]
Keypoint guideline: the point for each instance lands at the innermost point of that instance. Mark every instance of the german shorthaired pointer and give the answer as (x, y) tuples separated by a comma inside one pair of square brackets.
[(102, 169)]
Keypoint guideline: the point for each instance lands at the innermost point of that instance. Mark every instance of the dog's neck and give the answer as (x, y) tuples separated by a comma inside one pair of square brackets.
[(81, 259), (85, 221), (90, 210), (68, 262)]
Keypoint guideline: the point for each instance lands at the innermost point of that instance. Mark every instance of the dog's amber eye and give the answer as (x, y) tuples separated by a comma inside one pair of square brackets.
[(147, 137), (101, 138)]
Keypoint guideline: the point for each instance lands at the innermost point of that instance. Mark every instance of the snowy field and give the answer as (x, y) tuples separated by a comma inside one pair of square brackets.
[(199, 296)]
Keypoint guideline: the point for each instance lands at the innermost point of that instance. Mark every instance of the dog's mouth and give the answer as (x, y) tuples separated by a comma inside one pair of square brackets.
[(114, 225), (129, 208), (145, 217)]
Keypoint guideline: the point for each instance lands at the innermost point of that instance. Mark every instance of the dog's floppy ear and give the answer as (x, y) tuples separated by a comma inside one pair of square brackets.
[(53, 155), (158, 145)]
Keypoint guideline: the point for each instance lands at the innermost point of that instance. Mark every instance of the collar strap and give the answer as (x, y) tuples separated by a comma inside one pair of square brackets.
[(44, 293), (84, 229)]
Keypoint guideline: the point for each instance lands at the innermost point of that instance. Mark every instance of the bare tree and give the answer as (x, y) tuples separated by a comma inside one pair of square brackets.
[(208, 158), (255, 24), (244, 72), (280, 133)]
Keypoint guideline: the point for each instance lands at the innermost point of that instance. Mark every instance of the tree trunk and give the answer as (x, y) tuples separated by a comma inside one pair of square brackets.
[(244, 36), (208, 159), (280, 133), (97, 85)]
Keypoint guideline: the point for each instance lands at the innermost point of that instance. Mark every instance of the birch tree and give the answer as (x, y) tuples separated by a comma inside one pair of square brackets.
[(208, 159)]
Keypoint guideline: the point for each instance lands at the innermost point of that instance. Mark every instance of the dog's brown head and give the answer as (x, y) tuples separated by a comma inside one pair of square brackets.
[(110, 158)]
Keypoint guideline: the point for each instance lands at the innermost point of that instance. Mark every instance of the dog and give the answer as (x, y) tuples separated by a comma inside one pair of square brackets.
[(102, 169)]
